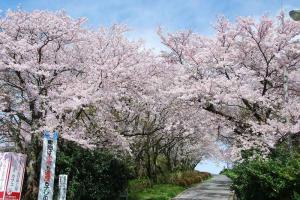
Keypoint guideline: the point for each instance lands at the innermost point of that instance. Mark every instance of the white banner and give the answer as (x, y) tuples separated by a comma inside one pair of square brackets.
[(48, 166), (12, 169), (63, 184), (4, 171)]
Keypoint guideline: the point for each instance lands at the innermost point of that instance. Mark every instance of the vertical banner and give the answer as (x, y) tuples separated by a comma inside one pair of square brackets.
[(12, 169), (4, 172), (63, 184), (15, 177), (48, 166)]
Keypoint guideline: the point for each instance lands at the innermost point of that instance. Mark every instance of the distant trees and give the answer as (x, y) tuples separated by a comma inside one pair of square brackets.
[(165, 140)]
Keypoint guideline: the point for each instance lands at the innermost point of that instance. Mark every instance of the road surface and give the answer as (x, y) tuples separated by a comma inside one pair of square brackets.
[(216, 188)]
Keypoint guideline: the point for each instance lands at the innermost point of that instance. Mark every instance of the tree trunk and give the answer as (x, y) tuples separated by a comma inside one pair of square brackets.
[(154, 170), (169, 160), (32, 170), (148, 165)]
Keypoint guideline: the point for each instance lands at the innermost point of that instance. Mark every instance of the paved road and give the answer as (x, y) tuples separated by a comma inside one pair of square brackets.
[(217, 188)]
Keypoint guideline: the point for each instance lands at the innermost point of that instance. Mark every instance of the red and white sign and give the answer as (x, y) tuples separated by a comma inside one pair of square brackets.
[(12, 169), (4, 171)]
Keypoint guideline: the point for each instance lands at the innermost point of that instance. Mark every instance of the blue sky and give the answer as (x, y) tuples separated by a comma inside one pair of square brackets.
[(211, 166), (144, 16)]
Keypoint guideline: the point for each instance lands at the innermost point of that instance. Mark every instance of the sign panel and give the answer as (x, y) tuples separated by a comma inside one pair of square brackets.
[(12, 169), (16, 176), (63, 184), (4, 171), (48, 166)]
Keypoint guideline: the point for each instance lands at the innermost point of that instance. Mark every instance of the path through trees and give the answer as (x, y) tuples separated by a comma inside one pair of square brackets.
[(216, 188)]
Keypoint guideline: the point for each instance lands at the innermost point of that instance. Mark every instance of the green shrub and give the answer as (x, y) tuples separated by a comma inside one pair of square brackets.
[(230, 173), (93, 175), (296, 196), (181, 182), (139, 184), (274, 178), (187, 178)]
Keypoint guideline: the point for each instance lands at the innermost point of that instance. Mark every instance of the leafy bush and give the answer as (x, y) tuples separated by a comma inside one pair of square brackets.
[(274, 178), (188, 178), (93, 175), (229, 172), (139, 184)]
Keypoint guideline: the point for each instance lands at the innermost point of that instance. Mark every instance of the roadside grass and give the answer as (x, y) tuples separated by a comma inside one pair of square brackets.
[(167, 186), (157, 192)]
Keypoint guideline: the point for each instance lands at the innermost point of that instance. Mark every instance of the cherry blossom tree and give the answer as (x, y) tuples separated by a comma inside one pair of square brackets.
[(238, 75), (165, 134), (101, 90), (57, 75)]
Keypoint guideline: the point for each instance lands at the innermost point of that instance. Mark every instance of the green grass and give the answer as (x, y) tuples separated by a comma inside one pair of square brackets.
[(157, 192), (168, 186)]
